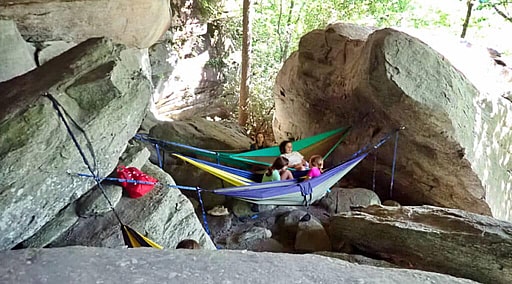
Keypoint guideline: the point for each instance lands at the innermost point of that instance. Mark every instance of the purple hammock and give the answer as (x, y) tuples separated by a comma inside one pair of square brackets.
[(291, 192)]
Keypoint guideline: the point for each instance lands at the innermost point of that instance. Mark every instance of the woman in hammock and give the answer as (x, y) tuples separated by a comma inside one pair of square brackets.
[(295, 159)]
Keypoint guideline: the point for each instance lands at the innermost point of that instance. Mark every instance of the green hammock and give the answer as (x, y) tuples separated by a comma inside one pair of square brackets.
[(321, 144)]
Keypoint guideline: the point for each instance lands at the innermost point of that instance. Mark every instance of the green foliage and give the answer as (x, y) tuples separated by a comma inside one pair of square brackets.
[(280, 24), (209, 8), (486, 4)]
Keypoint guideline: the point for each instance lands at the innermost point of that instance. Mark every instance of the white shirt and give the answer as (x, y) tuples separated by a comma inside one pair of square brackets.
[(293, 158)]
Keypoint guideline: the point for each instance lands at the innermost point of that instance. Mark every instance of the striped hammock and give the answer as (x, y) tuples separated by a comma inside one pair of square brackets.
[(321, 144)]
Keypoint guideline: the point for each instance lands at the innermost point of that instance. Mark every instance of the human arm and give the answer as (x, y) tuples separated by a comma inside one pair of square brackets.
[(286, 175), (296, 161)]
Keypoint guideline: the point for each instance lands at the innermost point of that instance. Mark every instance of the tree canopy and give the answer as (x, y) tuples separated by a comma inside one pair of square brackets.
[(278, 26)]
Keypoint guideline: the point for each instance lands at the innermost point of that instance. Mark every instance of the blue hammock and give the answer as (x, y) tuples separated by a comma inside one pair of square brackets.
[(291, 192), (254, 177)]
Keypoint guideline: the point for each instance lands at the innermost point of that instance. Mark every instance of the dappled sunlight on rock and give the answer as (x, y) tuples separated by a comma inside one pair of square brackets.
[(455, 149)]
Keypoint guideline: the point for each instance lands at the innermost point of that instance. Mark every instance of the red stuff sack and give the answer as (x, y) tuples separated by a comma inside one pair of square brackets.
[(135, 189)]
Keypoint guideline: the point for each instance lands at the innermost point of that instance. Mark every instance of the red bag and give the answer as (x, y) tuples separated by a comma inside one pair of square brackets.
[(135, 190)]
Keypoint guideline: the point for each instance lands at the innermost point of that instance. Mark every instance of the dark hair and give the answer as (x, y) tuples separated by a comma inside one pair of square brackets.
[(282, 146), (278, 164), (258, 133), (315, 160), (256, 139), (188, 244)]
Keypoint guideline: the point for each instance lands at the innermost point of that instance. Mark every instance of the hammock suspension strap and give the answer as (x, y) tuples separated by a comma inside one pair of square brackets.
[(61, 113), (393, 166)]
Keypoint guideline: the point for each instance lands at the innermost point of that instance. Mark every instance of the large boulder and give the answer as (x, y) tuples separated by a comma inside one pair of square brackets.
[(342, 199), (447, 241), (378, 81), (100, 86), (356, 258), (192, 64), (101, 265), (202, 133), (51, 49), (16, 55), (135, 23), (311, 236), (164, 215)]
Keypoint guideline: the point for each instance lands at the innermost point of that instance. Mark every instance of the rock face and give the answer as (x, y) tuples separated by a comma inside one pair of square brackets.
[(164, 215), (448, 154), (447, 241), (95, 265), (100, 85), (359, 259), (200, 133), (192, 64), (16, 55), (311, 236), (135, 23), (341, 199)]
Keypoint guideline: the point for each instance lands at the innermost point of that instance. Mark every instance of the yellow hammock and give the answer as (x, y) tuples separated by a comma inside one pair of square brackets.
[(229, 177)]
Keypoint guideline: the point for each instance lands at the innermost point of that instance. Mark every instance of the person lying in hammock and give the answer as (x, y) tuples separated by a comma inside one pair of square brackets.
[(317, 165), (295, 159), (278, 170)]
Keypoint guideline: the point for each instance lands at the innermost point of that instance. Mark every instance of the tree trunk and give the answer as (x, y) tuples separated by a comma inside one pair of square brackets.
[(243, 112), (468, 16)]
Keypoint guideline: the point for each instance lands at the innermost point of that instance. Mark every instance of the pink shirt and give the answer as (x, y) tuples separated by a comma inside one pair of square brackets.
[(314, 172)]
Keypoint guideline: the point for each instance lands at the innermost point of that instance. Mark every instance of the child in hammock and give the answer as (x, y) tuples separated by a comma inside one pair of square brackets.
[(316, 162), (296, 160), (278, 170)]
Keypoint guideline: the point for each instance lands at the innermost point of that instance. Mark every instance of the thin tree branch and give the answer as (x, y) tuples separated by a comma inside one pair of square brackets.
[(501, 13)]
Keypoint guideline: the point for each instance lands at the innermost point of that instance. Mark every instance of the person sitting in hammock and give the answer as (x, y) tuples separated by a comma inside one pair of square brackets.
[(316, 163), (295, 159), (277, 171), (260, 142)]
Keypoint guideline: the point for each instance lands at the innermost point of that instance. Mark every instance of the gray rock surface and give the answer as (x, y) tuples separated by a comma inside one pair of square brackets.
[(242, 208), (391, 203), (248, 238), (436, 239), (53, 49), (16, 55), (359, 259), (311, 236), (94, 202), (101, 87), (448, 153), (136, 23), (164, 215), (190, 65), (66, 218), (203, 133), (288, 223), (341, 199), (101, 265), (135, 155)]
